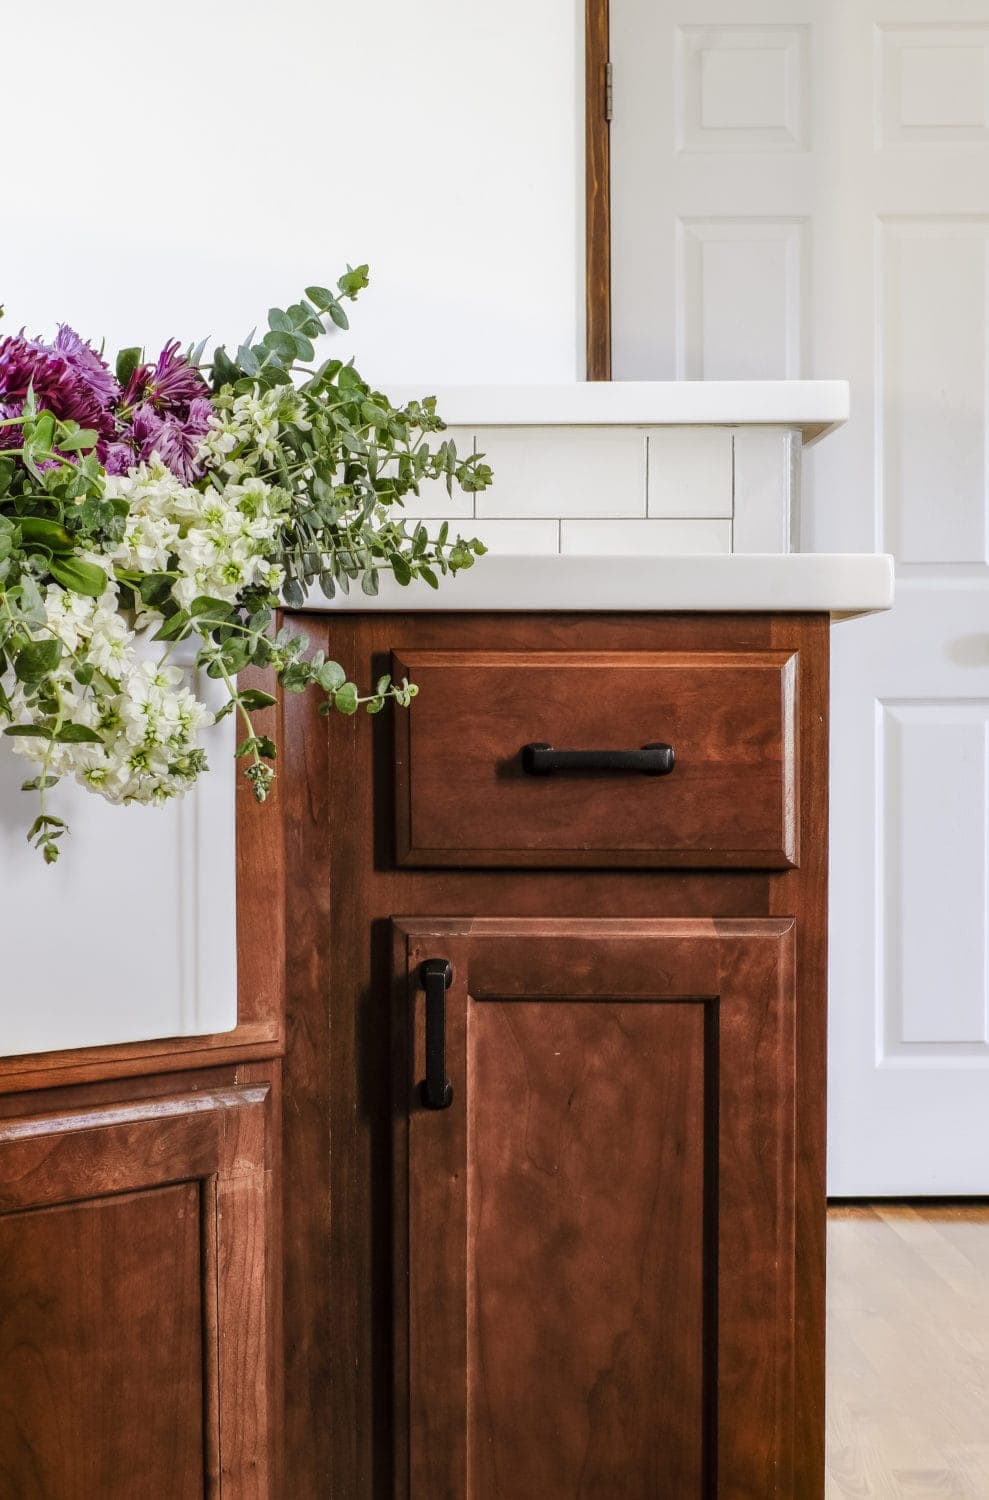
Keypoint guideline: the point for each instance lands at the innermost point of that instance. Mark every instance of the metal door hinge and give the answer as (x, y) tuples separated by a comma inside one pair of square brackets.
[(609, 91)]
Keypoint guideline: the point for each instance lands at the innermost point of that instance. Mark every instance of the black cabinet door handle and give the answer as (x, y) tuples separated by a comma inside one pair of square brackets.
[(436, 1090), (543, 760)]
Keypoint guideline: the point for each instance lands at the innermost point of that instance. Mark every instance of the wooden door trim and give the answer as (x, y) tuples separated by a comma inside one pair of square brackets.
[(597, 209)]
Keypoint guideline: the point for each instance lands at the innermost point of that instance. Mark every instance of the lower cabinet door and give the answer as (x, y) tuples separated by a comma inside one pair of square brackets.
[(594, 1221), (136, 1351)]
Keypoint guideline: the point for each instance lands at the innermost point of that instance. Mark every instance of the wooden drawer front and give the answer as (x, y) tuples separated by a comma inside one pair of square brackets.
[(464, 799)]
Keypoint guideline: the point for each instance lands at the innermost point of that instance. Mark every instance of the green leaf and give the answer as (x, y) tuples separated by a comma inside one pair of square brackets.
[(345, 698), (279, 320), (247, 360), (282, 344), (213, 609), (35, 661), (27, 732), (39, 783), (37, 532), (174, 626), (339, 316), (331, 676), (81, 577), (354, 280), (320, 295), (76, 438), (127, 362), (78, 734), (253, 698)]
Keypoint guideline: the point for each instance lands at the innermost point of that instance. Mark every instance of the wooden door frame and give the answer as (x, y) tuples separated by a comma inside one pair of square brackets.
[(597, 203)]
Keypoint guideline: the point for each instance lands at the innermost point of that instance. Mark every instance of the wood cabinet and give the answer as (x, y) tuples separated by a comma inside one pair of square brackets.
[(600, 1270), (138, 1293), (595, 1239)]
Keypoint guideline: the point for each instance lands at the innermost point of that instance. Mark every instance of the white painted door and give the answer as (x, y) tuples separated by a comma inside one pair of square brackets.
[(802, 189)]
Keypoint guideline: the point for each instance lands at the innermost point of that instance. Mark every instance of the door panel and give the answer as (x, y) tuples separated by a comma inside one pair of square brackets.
[(103, 1376), (137, 1304), (595, 1242), (802, 190)]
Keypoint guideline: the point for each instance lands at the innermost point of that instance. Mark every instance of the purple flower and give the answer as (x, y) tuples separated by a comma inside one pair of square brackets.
[(10, 437), (116, 457), (60, 384), (170, 385), (87, 365), (175, 439)]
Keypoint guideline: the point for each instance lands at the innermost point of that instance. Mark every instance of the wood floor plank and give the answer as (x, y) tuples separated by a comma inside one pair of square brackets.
[(908, 1352)]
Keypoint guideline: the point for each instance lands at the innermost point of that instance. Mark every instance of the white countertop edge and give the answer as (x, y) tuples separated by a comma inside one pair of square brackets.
[(837, 583), (815, 406)]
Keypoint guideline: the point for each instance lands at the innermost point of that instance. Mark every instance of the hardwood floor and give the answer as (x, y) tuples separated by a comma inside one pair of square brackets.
[(908, 1351)]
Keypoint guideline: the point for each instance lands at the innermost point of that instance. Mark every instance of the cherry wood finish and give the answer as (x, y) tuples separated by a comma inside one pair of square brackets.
[(344, 1214), (594, 1244), (463, 798), (139, 1300), (597, 197)]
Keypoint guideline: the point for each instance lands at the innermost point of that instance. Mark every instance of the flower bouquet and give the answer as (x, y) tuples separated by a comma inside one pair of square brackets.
[(158, 502)]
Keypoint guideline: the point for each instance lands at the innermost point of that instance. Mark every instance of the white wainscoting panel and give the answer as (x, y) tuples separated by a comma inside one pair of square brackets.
[(135, 926), (740, 298), (931, 387)]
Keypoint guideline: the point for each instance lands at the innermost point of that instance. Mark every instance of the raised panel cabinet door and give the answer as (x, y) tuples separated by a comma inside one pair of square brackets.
[(594, 1240), (136, 1330)]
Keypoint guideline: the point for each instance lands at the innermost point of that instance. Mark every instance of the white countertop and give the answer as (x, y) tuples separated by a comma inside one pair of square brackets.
[(815, 406), (839, 583)]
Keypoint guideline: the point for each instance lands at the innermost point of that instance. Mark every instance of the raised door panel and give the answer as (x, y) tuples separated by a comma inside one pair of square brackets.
[(137, 1352), (103, 1385), (595, 1241)]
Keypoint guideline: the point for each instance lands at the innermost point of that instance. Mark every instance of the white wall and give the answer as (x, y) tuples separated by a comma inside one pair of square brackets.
[(173, 172)]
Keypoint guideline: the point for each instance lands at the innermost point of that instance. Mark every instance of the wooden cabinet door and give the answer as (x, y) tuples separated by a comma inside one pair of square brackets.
[(595, 1241), (135, 1299)]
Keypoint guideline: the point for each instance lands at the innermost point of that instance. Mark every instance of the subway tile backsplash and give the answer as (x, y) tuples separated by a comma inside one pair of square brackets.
[(624, 489)]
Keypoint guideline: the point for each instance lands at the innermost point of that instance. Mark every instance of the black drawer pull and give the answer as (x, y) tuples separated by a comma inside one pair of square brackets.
[(543, 760), (436, 1090)]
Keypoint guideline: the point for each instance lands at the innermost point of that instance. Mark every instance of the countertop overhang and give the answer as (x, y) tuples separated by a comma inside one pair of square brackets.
[(815, 406), (841, 584)]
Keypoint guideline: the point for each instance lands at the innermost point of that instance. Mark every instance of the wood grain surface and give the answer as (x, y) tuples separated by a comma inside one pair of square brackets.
[(342, 1219), (462, 797), (598, 1229), (138, 1305)]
